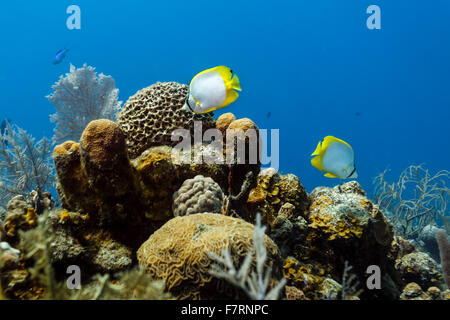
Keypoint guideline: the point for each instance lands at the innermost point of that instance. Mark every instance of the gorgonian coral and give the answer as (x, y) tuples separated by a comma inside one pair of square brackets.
[(24, 164), (80, 97)]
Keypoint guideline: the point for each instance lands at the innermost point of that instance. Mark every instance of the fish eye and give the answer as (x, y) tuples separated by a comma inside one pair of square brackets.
[(231, 71)]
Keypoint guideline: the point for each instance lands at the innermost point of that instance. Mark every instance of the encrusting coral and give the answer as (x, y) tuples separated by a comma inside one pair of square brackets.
[(418, 267), (273, 190), (339, 222), (150, 116), (179, 252), (198, 195)]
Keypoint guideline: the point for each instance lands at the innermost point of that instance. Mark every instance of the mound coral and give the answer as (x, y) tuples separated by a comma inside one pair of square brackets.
[(20, 215), (273, 191), (224, 121), (418, 267), (198, 195), (179, 252), (150, 116)]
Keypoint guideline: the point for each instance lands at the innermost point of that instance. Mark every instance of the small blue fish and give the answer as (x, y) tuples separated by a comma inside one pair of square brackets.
[(60, 55)]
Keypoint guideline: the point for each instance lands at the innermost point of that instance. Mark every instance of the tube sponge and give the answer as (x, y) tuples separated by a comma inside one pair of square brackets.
[(444, 249), (198, 195)]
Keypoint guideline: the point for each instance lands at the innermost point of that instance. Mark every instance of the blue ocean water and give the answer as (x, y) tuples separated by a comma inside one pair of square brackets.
[(314, 65)]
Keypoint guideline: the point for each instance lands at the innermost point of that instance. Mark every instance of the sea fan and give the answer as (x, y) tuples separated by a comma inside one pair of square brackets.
[(80, 97), (24, 164)]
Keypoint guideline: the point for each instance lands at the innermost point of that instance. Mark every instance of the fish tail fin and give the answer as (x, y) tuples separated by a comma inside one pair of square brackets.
[(236, 83)]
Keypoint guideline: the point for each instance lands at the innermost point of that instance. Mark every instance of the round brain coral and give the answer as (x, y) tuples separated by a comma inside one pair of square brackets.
[(198, 195), (178, 253), (150, 116)]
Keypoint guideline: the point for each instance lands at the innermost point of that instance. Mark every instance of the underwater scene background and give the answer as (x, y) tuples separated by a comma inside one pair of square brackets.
[(308, 68)]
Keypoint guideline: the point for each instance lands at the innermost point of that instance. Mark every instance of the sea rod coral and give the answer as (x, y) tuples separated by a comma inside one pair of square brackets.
[(417, 199)]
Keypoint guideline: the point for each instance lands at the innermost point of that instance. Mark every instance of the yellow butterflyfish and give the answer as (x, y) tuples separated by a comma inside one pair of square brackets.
[(335, 157), (212, 89)]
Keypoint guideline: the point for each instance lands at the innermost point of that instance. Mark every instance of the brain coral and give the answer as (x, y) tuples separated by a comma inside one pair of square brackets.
[(149, 117), (198, 195), (178, 253)]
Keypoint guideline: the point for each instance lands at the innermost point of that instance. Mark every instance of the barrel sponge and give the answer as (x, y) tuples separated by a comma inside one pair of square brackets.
[(198, 195), (178, 253), (149, 117)]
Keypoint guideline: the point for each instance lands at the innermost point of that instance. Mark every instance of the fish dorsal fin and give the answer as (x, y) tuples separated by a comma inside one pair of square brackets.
[(225, 72), (318, 148), (329, 139)]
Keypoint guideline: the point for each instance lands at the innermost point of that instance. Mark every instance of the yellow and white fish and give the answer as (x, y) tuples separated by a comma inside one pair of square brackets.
[(335, 157), (212, 89)]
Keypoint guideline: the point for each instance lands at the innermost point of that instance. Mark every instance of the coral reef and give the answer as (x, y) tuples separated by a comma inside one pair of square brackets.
[(150, 116), (413, 291), (340, 221), (198, 195), (145, 219), (179, 253), (34, 277), (80, 97)]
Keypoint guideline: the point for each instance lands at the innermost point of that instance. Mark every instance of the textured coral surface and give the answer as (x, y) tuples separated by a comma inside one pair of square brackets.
[(178, 252), (150, 116)]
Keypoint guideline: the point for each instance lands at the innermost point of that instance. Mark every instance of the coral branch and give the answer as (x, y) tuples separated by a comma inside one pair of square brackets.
[(254, 284)]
